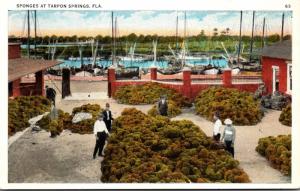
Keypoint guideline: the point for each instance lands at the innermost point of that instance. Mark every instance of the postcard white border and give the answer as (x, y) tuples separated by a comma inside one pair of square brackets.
[(157, 5)]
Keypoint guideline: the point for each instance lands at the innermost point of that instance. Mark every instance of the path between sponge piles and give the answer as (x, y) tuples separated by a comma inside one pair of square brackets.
[(256, 166), (68, 158)]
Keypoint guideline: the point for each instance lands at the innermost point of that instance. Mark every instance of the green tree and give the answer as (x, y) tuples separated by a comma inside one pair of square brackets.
[(132, 37), (273, 38), (215, 34)]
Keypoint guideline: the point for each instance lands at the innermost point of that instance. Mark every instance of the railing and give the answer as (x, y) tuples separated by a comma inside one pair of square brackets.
[(239, 79), (207, 79), (169, 80)]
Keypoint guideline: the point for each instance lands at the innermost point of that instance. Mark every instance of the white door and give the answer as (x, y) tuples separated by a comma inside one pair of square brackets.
[(275, 80)]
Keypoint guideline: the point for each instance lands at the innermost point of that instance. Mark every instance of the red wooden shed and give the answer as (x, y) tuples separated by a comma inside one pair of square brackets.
[(277, 67), (19, 67)]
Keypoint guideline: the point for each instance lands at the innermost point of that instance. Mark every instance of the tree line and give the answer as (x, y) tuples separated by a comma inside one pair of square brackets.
[(216, 36)]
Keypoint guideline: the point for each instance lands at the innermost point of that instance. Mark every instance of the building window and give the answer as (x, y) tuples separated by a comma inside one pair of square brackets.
[(289, 78)]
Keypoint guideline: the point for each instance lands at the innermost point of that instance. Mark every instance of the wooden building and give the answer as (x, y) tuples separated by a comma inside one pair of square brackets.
[(277, 67), (19, 67)]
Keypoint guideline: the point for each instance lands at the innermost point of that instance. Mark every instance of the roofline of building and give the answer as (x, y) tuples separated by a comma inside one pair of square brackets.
[(32, 71), (277, 58)]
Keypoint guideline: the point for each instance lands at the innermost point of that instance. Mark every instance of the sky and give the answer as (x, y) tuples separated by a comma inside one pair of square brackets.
[(93, 23)]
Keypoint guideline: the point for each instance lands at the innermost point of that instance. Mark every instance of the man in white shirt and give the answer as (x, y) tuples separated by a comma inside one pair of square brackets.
[(101, 133), (217, 127)]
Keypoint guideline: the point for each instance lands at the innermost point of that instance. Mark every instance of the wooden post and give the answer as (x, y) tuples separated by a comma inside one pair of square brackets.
[(187, 82), (110, 79), (153, 72), (16, 88), (39, 82), (227, 78), (66, 90)]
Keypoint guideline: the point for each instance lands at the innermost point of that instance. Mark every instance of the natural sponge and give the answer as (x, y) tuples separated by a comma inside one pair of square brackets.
[(231, 103)]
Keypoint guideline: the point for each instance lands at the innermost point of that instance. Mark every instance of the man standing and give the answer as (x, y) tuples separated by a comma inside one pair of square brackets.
[(50, 94), (101, 133), (217, 126), (163, 106), (229, 136), (107, 117), (53, 125)]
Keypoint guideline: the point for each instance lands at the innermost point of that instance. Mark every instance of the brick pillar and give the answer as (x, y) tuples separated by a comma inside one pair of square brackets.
[(153, 72), (110, 81), (16, 88), (227, 78), (39, 83), (187, 82)]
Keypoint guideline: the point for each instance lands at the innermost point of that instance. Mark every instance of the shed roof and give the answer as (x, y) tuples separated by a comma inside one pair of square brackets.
[(20, 67), (281, 50)]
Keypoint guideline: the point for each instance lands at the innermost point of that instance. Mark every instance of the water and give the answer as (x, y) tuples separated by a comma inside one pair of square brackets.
[(144, 64)]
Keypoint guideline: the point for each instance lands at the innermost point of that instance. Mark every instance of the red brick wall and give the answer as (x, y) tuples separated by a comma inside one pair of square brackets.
[(195, 89), (187, 88), (267, 73), (246, 87), (116, 84), (14, 51)]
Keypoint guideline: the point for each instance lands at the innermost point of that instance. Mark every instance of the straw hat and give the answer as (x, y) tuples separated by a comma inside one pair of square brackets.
[(228, 121)]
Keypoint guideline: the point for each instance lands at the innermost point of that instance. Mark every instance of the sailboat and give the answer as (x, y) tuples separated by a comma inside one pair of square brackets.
[(130, 57)]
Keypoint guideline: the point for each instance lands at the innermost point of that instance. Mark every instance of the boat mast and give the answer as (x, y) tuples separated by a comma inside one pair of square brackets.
[(263, 32), (251, 45), (95, 54), (115, 37), (282, 27), (112, 37), (154, 52), (176, 33), (184, 40), (35, 36), (240, 38), (80, 54), (28, 34)]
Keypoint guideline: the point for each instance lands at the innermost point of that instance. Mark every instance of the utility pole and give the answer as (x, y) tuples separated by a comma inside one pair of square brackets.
[(28, 34), (252, 35)]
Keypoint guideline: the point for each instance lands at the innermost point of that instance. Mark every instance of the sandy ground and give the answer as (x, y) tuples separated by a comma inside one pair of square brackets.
[(35, 157), (256, 166)]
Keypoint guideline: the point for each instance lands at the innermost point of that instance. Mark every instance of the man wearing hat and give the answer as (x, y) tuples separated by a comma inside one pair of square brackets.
[(101, 133), (163, 106), (50, 94), (229, 136)]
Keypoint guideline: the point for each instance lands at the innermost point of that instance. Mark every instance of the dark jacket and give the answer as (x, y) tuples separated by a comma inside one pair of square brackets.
[(163, 107), (105, 117), (50, 93)]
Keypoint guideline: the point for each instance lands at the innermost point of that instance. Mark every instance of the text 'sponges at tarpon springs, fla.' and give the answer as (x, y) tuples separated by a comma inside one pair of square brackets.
[(56, 6)]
